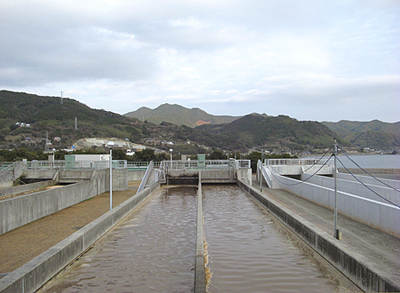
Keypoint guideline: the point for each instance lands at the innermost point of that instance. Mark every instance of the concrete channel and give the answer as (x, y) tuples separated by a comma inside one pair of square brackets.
[(34, 274), (349, 262), (37, 272)]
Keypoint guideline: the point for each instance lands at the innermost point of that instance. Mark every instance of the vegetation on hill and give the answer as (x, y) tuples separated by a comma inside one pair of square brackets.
[(281, 132), (275, 134), (49, 114), (373, 134), (178, 115)]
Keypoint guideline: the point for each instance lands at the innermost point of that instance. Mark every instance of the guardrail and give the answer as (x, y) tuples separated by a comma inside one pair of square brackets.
[(62, 165), (207, 164), (292, 162), (145, 177)]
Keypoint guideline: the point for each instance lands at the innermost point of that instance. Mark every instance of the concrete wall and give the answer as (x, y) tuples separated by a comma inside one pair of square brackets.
[(350, 185), (136, 175), (350, 263), (120, 179), (39, 174), (245, 175), (200, 266), (21, 210), (24, 209), (24, 188), (370, 180), (34, 274), (210, 175), (379, 215)]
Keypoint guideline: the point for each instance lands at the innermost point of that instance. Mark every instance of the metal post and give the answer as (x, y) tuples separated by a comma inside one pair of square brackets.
[(335, 230), (110, 144), (111, 183), (260, 174)]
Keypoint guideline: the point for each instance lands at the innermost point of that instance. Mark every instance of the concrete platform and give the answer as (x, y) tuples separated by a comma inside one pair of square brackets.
[(380, 249)]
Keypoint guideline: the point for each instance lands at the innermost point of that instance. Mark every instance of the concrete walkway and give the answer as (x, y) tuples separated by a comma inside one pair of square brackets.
[(382, 250)]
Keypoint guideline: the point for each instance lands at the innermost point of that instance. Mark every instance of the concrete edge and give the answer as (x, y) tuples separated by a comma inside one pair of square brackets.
[(35, 273), (10, 191), (199, 272), (348, 261)]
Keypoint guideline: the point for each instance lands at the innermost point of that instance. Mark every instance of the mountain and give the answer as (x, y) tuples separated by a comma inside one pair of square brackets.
[(281, 132), (50, 114), (26, 118), (373, 134), (178, 115)]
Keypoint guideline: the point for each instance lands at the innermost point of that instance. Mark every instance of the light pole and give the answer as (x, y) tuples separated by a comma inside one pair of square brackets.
[(170, 155), (110, 145)]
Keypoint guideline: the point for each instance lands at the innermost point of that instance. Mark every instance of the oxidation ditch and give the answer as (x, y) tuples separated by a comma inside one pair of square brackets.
[(153, 250)]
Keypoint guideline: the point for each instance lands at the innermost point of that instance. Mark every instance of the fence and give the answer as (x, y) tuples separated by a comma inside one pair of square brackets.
[(294, 162)]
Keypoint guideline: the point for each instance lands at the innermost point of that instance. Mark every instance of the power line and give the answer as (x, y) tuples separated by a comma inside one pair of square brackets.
[(362, 183), (368, 172), (318, 160), (302, 181)]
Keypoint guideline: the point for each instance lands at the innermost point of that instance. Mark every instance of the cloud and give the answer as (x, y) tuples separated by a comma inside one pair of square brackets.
[(301, 58)]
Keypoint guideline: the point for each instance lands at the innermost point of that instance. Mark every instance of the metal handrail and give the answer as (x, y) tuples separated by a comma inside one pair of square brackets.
[(145, 177), (293, 162)]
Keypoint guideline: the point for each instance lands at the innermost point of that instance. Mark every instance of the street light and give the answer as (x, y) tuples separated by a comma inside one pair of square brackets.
[(110, 145), (170, 153)]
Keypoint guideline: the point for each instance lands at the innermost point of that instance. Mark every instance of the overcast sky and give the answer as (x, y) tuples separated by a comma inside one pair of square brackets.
[(312, 60)]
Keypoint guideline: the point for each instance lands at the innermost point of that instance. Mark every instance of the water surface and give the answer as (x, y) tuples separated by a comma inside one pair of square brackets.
[(249, 251), (152, 250)]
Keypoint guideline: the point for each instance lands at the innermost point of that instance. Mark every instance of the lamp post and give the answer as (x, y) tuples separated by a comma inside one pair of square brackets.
[(110, 145), (170, 156)]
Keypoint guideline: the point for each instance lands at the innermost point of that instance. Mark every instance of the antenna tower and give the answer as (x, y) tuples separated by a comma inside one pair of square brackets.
[(46, 147)]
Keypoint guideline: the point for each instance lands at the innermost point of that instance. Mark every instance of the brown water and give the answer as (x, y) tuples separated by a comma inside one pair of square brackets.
[(153, 250), (249, 251)]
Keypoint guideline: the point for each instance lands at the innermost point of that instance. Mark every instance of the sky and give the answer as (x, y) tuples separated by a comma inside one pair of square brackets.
[(311, 60)]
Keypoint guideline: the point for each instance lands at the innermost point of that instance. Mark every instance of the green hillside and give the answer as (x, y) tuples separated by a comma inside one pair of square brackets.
[(373, 134), (178, 115), (281, 132), (48, 114)]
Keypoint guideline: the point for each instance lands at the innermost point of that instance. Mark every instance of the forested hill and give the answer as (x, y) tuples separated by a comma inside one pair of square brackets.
[(57, 118), (276, 132), (50, 114), (373, 134), (179, 115)]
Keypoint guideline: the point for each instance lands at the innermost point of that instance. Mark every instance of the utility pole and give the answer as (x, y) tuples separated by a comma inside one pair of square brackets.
[(260, 174), (61, 101), (335, 229)]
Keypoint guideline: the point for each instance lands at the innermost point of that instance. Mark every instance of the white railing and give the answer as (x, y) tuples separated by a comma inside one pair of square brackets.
[(4, 165), (207, 164), (137, 165), (243, 164), (295, 162), (145, 177), (62, 165)]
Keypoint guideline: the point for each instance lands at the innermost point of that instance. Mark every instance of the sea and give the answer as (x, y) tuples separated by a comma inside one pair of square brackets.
[(367, 161)]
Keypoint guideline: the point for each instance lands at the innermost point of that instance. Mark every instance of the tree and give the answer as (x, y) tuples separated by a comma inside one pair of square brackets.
[(146, 155), (217, 155)]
